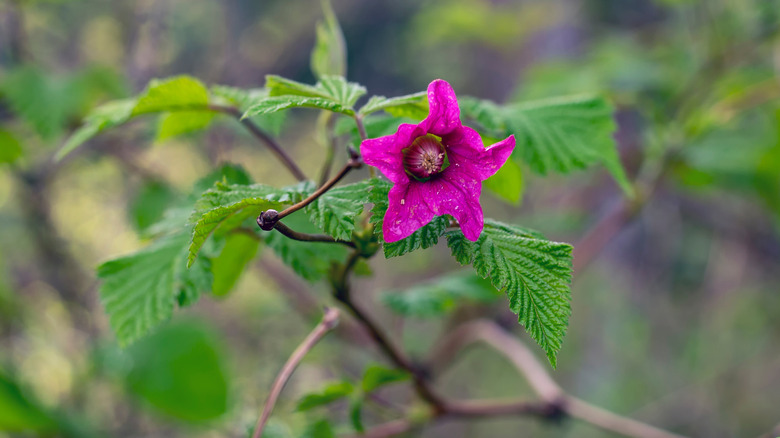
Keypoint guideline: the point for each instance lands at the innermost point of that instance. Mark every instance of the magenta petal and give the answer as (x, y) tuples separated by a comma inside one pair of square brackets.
[(385, 154), (457, 193), (444, 114), (467, 153), (407, 211)]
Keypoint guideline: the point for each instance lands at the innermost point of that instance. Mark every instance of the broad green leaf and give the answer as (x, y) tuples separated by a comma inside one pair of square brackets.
[(150, 203), (329, 56), (227, 206), (179, 93), (37, 98), (182, 122), (312, 261), (425, 237), (182, 372), (329, 394), (507, 183), (19, 414), (10, 149), (415, 103), (336, 210), (331, 93), (535, 274), (565, 134), (377, 376), (227, 268), (105, 116), (440, 296), (139, 290), (560, 134), (343, 92)]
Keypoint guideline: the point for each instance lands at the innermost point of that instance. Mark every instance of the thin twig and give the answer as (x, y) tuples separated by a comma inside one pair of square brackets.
[(261, 135), (341, 292), (303, 237), (351, 164), (330, 148), (329, 321), (363, 137)]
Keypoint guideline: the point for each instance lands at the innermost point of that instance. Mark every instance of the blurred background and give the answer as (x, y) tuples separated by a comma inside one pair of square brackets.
[(675, 295)]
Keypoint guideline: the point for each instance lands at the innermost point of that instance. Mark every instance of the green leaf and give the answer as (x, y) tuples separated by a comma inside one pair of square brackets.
[(377, 376), (139, 290), (181, 371), (425, 237), (331, 93), (565, 134), (336, 210), (329, 394), (103, 117), (415, 104), (356, 414), (507, 183), (172, 94), (440, 295), (319, 429), (535, 273), (10, 148), (19, 414), (310, 260), (182, 122), (227, 268), (150, 203), (329, 56), (37, 98), (227, 206)]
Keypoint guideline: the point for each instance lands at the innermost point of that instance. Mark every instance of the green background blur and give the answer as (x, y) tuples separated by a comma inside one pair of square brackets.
[(674, 323)]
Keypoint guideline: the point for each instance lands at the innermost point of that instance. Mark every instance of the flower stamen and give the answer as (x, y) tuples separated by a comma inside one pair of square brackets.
[(425, 157)]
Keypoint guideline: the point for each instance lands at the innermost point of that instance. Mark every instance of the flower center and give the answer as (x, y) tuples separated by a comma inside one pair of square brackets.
[(425, 157)]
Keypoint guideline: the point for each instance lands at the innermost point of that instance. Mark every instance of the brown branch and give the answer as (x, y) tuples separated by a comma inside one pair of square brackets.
[(303, 237), (351, 164), (341, 292), (264, 138), (541, 382), (329, 321)]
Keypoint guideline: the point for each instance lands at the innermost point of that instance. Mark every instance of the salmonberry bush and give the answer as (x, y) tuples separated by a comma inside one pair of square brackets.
[(395, 176)]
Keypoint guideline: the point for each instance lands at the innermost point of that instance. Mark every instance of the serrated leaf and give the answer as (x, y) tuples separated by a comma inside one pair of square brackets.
[(423, 238), (329, 56), (10, 148), (228, 266), (564, 134), (416, 103), (139, 290), (507, 183), (335, 211), (535, 273), (178, 93), (37, 98), (230, 205), (329, 394), (440, 296), (331, 93), (150, 203), (377, 376), (103, 117), (182, 122), (271, 105)]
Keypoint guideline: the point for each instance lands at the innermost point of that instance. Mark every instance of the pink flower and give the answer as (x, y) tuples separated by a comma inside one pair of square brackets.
[(437, 168)]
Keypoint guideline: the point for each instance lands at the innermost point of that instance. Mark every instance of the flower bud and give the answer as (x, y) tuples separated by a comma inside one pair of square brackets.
[(268, 219)]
